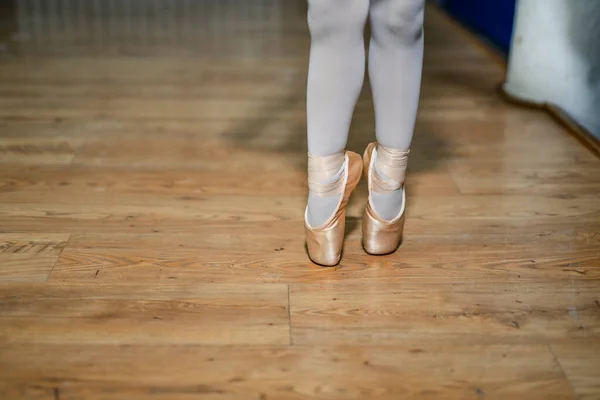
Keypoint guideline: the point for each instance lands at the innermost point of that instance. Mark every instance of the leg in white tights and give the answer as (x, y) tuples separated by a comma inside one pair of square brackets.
[(335, 78), (336, 73), (395, 65)]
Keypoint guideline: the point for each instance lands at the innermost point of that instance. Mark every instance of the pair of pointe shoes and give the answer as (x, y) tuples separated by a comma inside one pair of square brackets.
[(324, 243)]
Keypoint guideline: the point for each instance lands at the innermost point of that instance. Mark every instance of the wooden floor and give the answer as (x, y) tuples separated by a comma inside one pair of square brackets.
[(151, 238)]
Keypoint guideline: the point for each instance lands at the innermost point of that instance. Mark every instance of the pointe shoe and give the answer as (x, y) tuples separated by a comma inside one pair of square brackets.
[(380, 237), (324, 243)]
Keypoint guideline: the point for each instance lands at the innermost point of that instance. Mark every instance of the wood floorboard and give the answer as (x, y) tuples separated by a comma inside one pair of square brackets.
[(469, 312), (579, 359), (176, 313), (152, 190), (272, 372)]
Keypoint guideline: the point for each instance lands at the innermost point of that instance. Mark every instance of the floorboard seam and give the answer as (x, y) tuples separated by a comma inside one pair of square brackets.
[(557, 361), (58, 257), (290, 317)]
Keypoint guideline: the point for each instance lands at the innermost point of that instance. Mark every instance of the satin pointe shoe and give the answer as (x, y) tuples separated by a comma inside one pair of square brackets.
[(324, 243), (380, 236)]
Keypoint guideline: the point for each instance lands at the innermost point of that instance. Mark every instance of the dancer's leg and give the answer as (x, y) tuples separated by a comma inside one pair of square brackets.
[(395, 66), (335, 78)]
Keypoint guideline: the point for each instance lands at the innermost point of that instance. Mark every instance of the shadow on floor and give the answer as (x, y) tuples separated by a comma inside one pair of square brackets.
[(427, 152)]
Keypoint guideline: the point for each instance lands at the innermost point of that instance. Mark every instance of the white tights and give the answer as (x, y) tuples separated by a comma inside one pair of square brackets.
[(336, 74)]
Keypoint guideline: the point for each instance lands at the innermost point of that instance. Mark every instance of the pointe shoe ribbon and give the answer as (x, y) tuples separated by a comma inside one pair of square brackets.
[(392, 164), (321, 173)]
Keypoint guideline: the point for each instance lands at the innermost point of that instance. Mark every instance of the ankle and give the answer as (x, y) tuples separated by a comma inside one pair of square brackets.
[(390, 168), (325, 181)]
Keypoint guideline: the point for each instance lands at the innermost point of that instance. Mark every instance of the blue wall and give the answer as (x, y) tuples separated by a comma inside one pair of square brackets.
[(491, 18)]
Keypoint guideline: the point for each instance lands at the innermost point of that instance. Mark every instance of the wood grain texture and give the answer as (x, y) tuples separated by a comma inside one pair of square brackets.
[(580, 359), (267, 372), (55, 151), (152, 189), (450, 313), (146, 314), (205, 256), (29, 257)]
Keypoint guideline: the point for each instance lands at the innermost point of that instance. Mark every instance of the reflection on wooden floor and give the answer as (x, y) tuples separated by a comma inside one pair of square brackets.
[(151, 241)]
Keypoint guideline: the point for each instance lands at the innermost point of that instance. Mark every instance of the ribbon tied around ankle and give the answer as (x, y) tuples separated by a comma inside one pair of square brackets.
[(392, 164), (325, 174)]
